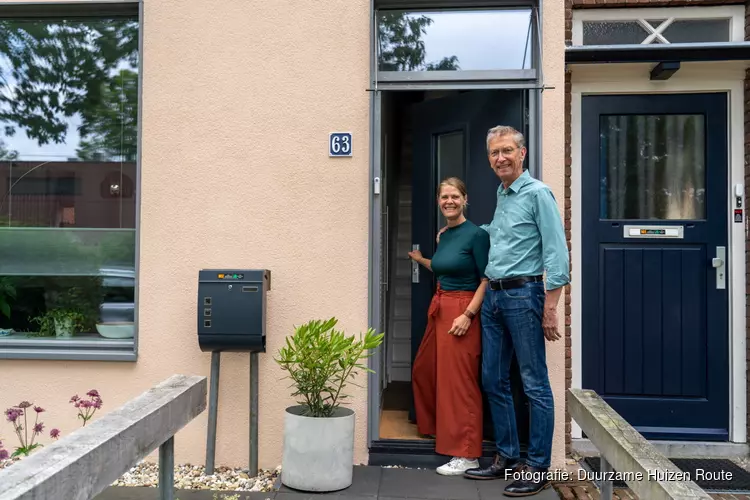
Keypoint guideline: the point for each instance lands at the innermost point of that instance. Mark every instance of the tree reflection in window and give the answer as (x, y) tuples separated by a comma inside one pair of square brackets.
[(53, 70), (653, 167), (401, 47)]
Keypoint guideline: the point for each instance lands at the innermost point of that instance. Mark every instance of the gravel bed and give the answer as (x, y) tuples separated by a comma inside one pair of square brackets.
[(193, 477)]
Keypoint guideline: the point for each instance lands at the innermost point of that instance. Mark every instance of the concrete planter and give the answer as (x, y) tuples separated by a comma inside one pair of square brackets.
[(318, 452)]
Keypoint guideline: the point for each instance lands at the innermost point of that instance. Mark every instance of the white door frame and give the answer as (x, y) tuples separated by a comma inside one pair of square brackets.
[(692, 77)]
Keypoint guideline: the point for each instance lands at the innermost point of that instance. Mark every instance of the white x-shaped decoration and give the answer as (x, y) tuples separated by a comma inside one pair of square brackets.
[(655, 33)]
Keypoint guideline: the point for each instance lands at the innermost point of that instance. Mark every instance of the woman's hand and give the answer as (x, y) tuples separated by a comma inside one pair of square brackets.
[(460, 326), (416, 256)]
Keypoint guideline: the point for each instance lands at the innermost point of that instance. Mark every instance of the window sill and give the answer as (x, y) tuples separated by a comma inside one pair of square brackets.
[(83, 347)]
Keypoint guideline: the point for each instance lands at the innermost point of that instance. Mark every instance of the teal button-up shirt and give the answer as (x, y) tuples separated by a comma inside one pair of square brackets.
[(526, 234)]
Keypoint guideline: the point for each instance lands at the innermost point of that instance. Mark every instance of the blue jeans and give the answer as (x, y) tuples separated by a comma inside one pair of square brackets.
[(512, 320)]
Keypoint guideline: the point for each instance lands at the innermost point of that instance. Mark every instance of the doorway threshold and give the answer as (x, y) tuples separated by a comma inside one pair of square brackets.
[(676, 449), (418, 454)]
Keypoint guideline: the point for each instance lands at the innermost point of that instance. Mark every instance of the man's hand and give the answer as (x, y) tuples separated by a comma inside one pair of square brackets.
[(460, 326), (549, 318), (549, 323)]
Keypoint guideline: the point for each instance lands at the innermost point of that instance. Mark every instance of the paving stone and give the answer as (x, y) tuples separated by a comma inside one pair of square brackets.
[(319, 496), (625, 494), (581, 492), (426, 484), (145, 493), (566, 493), (593, 492), (365, 483)]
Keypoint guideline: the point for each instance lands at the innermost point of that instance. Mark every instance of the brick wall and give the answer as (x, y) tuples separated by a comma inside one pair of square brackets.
[(588, 4), (568, 223)]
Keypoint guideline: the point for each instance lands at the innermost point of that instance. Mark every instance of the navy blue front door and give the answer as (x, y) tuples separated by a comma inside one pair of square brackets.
[(654, 221)]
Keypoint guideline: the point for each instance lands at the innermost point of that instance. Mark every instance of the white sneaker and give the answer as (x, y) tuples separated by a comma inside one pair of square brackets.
[(457, 466)]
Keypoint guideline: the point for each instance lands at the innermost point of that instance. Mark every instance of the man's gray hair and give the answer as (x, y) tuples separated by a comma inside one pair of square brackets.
[(503, 130)]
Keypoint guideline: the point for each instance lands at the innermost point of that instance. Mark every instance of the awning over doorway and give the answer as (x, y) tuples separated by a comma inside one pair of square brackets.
[(641, 53)]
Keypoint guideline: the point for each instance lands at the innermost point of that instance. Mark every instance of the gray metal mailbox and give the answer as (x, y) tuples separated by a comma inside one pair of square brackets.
[(232, 309)]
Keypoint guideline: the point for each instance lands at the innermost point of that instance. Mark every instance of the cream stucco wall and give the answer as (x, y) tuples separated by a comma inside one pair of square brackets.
[(238, 100), (553, 174)]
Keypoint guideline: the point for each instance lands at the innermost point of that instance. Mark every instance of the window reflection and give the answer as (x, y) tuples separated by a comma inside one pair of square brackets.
[(670, 31), (653, 167), (454, 40), (68, 151)]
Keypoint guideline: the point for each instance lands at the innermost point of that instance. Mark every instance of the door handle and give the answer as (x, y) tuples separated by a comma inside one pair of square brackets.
[(415, 266), (718, 264)]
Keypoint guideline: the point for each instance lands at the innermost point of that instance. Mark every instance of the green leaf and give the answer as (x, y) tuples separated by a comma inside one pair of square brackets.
[(320, 360)]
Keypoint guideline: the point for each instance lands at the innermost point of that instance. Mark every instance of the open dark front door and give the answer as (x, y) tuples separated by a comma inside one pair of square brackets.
[(450, 140), (654, 251)]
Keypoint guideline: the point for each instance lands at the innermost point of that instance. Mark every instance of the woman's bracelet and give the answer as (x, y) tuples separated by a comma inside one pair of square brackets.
[(469, 314)]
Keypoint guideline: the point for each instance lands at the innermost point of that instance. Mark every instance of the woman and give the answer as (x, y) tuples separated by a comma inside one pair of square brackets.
[(445, 375)]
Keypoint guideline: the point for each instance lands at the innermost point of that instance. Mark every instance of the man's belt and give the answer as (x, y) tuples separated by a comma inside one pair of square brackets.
[(510, 283)]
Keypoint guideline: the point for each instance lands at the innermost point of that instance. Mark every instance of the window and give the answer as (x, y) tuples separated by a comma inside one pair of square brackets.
[(653, 167), (69, 92), (450, 159), (659, 25), (457, 44)]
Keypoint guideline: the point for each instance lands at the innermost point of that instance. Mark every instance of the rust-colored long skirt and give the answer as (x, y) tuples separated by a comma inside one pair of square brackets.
[(445, 378)]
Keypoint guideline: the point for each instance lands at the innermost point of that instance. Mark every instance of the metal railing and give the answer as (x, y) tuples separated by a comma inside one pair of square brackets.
[(638, 463), (86, 462)]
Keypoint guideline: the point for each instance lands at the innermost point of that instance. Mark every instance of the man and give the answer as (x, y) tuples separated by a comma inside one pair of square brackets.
[(526, 240)]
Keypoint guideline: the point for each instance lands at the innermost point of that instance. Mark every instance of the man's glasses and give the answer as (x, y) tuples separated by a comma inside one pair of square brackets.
[(505, 152)]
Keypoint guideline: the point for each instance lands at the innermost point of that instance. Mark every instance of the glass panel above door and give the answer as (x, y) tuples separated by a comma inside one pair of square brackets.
[(652, 167), (635, 31), (467, 41), (613, 32), (697, 30)]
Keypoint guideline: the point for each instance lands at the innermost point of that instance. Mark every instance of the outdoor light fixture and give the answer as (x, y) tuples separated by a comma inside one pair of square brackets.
[(665, 70)]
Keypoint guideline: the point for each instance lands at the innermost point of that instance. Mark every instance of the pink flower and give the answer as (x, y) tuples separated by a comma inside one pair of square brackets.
[(24, 404), (38, 428), (4, 454), (13, 414), (38, 409), (87, 407), (54, 433)]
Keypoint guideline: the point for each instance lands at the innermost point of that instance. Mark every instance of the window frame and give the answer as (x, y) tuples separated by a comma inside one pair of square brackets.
[(735, 14), (73, 349), (510, 78)]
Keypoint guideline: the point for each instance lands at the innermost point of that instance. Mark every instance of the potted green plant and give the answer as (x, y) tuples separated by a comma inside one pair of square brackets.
[(318, 453), (61, 323)]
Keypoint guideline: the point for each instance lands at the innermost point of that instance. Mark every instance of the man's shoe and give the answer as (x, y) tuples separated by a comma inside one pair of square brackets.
[(531, 480), (497, 470)]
